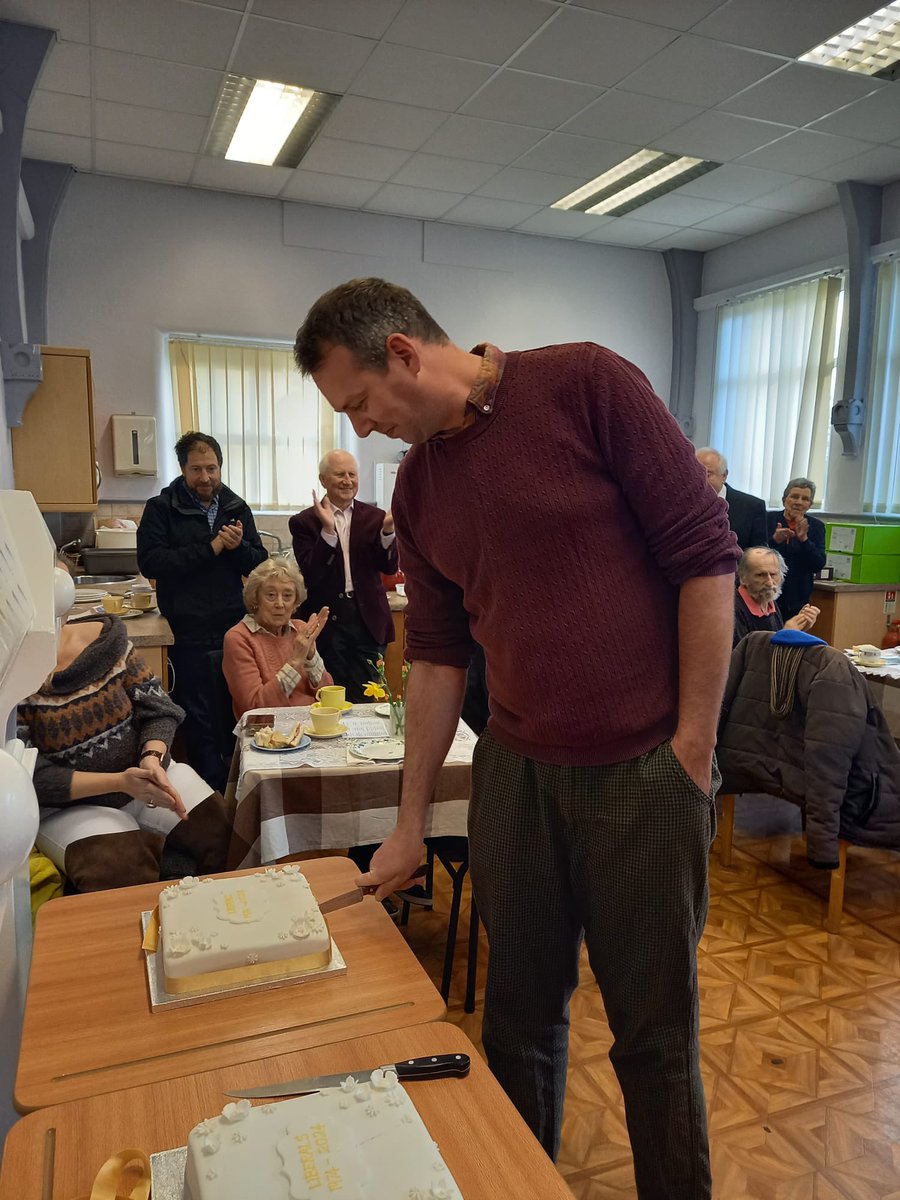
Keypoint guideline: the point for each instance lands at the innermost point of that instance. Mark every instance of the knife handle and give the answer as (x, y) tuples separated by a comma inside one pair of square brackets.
[(437, 1066)]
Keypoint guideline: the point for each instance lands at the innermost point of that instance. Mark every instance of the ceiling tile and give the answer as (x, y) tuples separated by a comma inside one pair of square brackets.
[(470, 28), (800, 93), (556, 223), (803, 152), (630, 117), (677, 209), (622, 231), (297, 54), (533, 100), (413, 201), (67, 69), (735, 184), (231, 176), (448, 174), (696, 71), (169, 29), (148, 127), (674, 14), (879, 165), (57, 147), (692, 239), (876, 118), (533, 187), (802, 196), (788, 27), (320, 188), (575, 156), (418, 77), (365, 18), (151, 83), (361, 119), (142, 162), (720, 136), (482, 141), (497, 214), (743, 220), (591, 47), (52, 112), (70, 18), (353, 158)]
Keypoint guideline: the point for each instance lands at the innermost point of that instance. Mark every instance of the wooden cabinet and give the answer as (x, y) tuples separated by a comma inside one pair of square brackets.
[(53, 449), (851, 613), (157, 659)]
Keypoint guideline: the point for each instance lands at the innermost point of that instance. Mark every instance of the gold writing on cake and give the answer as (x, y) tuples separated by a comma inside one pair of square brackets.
[(235, 899), (333, 1179), (307, 1160), (320, 1138)]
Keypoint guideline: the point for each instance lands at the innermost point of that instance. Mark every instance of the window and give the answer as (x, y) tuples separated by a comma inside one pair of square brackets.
[(776, 374), (881, 489), (273, 425)]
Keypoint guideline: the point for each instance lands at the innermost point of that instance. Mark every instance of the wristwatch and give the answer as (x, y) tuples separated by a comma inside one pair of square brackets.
[(147, 753)]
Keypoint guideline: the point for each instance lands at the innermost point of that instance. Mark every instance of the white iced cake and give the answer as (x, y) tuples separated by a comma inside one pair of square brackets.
[(361, 1141), (214, 932)]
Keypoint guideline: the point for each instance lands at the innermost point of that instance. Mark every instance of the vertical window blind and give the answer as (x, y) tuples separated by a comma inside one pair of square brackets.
[(881, 486), (776, 373), (273, 425)]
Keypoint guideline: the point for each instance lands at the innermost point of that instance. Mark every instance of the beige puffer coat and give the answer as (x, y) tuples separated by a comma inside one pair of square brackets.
[(833, 753)]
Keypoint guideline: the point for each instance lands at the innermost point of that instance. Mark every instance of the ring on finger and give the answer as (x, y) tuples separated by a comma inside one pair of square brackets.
[(150, 803)]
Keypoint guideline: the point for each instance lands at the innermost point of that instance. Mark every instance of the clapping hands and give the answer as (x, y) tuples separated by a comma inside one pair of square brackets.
[(305, 641), (325, 512)]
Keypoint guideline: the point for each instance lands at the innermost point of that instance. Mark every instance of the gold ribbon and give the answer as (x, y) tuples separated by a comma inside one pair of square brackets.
[(151, 933), (248, 974), (107, 1180)]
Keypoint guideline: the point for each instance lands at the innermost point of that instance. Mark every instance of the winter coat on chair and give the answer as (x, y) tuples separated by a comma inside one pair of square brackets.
[(831, 752)]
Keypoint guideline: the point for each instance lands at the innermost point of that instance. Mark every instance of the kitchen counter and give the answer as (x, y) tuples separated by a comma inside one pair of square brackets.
[(852, 613), (149, 629), (841, 585)]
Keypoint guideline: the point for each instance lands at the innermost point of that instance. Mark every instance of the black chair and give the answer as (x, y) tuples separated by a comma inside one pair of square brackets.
[(453, 855)]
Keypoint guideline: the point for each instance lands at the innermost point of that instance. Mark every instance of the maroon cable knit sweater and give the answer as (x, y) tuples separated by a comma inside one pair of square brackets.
[(558, 528)]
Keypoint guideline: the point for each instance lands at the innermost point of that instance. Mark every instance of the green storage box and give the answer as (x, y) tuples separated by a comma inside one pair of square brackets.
[(865, 568), (846, 538)]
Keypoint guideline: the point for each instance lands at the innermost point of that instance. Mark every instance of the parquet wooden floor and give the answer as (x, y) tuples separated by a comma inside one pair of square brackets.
[(800, 1029)]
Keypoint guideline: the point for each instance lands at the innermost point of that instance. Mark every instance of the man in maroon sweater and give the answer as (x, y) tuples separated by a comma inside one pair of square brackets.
[(592, 807)]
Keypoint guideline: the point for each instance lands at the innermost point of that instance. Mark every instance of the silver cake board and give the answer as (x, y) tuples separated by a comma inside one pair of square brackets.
[(167, 1174), (160, 999)]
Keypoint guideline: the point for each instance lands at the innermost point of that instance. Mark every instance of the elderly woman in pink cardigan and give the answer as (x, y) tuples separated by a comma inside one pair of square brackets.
[(268, 659)]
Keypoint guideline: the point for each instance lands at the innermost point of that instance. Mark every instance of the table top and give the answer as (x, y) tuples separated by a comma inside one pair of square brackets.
[(88, 1027), (482, 1139), (149, 629)]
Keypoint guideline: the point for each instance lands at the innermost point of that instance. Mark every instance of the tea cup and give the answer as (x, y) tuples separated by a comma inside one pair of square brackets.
[(142, 600), (324, 720), (113, 604), (331, 696)]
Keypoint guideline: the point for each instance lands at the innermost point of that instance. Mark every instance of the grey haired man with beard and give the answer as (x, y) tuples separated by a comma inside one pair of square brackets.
[(761, 573)]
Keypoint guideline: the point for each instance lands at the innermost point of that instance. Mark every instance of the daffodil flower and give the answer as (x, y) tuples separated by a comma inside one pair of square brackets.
[(376, 690)]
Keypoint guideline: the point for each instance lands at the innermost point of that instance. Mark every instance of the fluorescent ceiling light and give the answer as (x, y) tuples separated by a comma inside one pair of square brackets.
[(637, 180), (265, 122), (870, 47)]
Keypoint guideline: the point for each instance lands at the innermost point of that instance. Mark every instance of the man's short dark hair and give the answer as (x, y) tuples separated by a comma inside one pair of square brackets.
[(361, 314), (191, 440)]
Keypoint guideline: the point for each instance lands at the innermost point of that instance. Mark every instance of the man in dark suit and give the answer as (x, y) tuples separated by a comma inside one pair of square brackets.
[(343, 546), (746, 513)]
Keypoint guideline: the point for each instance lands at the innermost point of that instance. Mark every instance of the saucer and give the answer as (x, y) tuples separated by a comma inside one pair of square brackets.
[(125, 615), (382, 750), (339, 732), (381, 710), (345, 707), (301, 745)]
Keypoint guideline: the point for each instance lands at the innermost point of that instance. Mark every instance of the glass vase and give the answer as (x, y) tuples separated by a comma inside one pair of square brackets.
[(398, 720)]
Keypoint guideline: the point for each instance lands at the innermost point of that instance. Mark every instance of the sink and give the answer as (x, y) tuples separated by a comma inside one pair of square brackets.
[(112, 583)]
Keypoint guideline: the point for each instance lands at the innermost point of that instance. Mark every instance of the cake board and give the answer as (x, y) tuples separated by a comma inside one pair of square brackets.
[(167, 1174), (161, 1000)]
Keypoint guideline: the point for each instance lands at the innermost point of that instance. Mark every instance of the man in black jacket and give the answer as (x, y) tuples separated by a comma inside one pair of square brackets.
[(197, 539), (746, 513)]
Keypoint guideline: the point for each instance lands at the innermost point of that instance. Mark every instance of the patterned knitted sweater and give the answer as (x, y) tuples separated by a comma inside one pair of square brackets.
[(95, 715)]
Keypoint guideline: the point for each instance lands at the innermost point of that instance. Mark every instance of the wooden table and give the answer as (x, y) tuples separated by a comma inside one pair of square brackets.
[(482, 1138), (88, 1027)]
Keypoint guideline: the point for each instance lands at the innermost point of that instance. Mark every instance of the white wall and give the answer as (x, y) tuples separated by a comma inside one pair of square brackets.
[(798, 244), (130, 260)]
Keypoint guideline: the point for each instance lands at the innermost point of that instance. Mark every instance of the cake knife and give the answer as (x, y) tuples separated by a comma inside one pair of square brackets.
[(356, 894), (437, 1066)]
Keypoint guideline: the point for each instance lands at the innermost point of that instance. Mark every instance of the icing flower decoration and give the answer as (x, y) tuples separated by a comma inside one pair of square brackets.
[(203, 941), (362, 1093), (384, 1080), (349, 1084), (210, 1144), (187, 884), (267, 1109), (371, 1111), (232, 1113), (178, 944), (440, 1191), (252, 959), (292, 871), (301, 927)]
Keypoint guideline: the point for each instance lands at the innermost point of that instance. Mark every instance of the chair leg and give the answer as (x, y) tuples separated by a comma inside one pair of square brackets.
[(472, 965), (726, 832), (457, 874), (836, 891)]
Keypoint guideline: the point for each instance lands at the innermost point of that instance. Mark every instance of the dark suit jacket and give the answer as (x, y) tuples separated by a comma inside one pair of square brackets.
[(323, 566), (803, 560), (747, 518)]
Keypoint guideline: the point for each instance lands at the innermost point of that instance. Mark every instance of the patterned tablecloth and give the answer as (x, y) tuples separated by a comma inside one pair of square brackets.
[(323, 798)]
